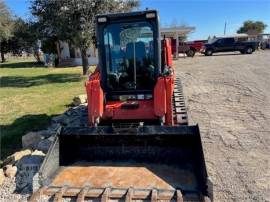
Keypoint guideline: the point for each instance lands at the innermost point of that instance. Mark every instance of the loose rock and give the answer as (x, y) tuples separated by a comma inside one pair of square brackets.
[(62, 119), (31, 140), (44, 145), (79, 100), (16, 156), (2, 176), (46, 133), (54, 128), (10, 171), (28, 166), (8, 192), (38, 153)]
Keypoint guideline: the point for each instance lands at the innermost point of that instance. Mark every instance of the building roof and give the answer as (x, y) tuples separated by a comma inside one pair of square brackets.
[(180, 30), (233, 36)]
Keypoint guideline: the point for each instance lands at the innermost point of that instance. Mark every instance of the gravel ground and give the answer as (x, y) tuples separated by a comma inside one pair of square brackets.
[(8, 193), (229, 96)]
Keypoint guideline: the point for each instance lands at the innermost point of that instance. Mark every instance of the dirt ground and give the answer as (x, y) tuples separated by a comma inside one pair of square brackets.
[(228, 95)]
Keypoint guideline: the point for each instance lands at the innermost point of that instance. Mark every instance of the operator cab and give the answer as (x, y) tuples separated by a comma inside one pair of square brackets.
[(129, 54)]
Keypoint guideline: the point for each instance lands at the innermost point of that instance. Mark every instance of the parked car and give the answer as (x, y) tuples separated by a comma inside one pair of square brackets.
[(227, 44), (189, 47), (195, 46)]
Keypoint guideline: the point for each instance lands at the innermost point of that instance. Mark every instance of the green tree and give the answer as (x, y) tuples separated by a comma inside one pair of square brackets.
[(23, 38), (6, 27), (74, 20), (252, 27)]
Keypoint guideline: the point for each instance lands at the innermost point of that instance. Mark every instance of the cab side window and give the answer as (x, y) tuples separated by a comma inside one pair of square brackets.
[(220, 41), (229, 41)]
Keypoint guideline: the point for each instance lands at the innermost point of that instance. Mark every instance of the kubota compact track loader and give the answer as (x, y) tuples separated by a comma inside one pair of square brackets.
[(138, 145)]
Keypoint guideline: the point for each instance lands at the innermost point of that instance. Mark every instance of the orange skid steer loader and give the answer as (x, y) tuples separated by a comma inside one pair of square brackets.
[(138, 145)]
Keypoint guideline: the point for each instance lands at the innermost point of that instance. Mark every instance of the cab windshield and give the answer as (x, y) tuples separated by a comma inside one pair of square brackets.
[(129, 56)]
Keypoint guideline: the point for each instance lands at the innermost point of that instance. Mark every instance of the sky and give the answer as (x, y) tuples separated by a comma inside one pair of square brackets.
[(207, 16)]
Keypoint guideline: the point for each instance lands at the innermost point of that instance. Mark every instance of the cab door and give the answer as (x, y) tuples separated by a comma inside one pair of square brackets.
[(229, 44), (225, 44)]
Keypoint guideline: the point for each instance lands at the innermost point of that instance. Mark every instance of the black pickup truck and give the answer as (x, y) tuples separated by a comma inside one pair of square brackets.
[(229, 44)]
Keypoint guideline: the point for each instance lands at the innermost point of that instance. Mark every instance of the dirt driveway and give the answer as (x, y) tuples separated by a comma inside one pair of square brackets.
[(229, 96)]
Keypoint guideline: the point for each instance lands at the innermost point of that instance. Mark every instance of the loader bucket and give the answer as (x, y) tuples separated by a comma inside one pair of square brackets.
[(148, 162)]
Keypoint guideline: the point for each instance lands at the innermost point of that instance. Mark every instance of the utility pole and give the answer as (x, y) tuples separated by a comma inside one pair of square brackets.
[(225, 26)]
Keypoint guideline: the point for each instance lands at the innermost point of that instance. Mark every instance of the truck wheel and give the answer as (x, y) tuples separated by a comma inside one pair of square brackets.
[(249, 50), (190, 53), (209, 52)]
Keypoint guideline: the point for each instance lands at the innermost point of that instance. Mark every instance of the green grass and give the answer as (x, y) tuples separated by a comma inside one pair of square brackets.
[(30, 95)]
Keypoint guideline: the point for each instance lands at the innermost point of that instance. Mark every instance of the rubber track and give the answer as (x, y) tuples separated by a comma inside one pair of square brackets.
[(179, 107)]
